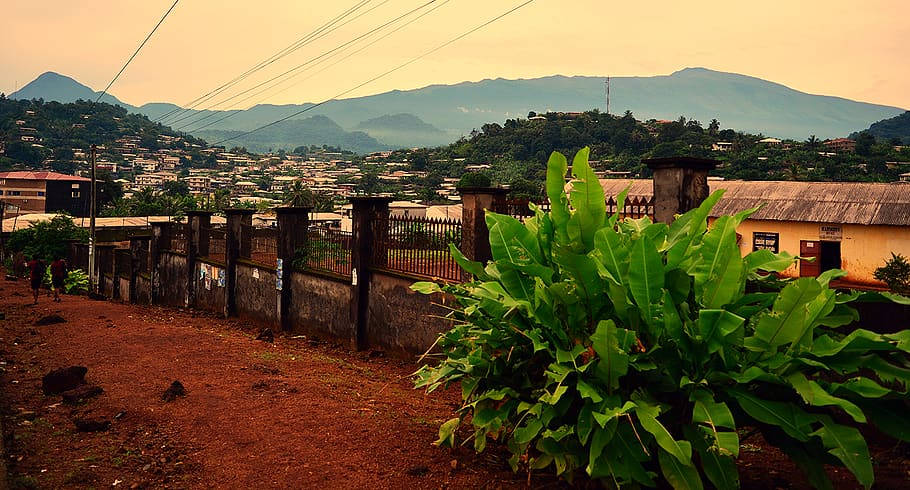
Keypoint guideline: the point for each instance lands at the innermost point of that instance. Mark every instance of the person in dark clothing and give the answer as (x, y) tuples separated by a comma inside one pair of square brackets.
[(36, 275), (58, 274)]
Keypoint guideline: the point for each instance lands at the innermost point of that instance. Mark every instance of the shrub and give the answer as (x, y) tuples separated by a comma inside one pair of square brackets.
[(895, 273), (634, 351), (76, 282), (46, 240), (474, 180)]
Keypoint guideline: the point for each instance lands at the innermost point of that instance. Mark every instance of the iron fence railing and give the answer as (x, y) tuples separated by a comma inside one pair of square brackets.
[(417, 245), (634, 207), (263, 244), (217, 239), (177, 238), (327, 250)]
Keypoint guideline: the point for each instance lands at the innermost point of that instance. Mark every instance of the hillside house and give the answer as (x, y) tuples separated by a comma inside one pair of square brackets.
[(44, 192), (853, 226), (841, 145)]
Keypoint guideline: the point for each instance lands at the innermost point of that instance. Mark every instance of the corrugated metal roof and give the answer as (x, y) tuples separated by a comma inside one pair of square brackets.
[(41, 176), (861, 203)]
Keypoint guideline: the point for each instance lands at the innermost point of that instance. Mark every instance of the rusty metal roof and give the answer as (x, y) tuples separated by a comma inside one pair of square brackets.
[(861, 203)]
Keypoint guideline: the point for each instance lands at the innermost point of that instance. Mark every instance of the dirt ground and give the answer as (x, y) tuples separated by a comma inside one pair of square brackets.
[(296, 413)]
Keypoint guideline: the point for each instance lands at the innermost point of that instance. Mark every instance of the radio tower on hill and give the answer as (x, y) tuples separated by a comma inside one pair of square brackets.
[(608, 96)]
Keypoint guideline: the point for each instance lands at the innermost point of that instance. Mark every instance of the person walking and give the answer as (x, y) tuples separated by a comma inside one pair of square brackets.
[(36, 275), (58, 274)]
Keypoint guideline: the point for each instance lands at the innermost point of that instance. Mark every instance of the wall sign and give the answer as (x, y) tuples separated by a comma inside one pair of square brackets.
[(830, 232)]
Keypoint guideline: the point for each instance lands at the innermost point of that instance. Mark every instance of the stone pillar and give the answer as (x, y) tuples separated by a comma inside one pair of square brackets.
[(138, 254), (293, 223), (161, 233), (366, 210), (197, 245), (680, 184), (475, 237), (237, 244)]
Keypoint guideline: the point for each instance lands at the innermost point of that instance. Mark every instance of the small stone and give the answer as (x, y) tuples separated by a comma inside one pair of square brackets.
[(454, 464), (146, 467), (63, 379), (176, 389)]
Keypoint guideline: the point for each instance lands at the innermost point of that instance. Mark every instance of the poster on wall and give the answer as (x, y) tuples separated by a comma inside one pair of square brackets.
[(220, 278), (208, 277), (830, 232), (278, 274)]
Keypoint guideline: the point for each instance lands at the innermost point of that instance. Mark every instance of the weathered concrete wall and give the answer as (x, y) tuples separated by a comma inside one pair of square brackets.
[(172, 279), (403, 320), (257, 298), (143, 289), (321, 306), (210, 291)]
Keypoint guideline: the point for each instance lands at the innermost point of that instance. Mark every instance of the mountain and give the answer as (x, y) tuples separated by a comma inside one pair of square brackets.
[(287, 135), (895, 127), (61, 88), (737, 101), (403, 130)]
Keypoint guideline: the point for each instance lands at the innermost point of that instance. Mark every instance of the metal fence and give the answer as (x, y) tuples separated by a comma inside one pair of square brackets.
[(521, 208), (417, 245), (635, 207), (263, 244), (217, 238), (328, 250)]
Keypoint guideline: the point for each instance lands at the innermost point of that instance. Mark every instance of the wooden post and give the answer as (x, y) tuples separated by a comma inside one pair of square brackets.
[(237, 244), (680, 184), (366, 210), (293, 224)]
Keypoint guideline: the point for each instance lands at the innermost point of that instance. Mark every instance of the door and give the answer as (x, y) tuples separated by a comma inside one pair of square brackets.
[(830, 256), (809, 249)]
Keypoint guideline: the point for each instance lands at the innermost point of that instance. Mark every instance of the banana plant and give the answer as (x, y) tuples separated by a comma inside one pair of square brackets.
[(634, 351)]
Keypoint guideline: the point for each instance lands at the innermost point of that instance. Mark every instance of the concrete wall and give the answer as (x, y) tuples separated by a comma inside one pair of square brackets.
[(172, 279), (863, 248), (257, 298), (210, 292), (403, 320), (321, 305)]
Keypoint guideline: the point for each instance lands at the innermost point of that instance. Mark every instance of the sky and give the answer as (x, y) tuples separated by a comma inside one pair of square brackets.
[(857, 50)]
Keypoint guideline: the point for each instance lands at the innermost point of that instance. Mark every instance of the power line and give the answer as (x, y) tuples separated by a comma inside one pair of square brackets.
[(300, 66), (137, 51), (371, 43), (411, 61), (316, 34)]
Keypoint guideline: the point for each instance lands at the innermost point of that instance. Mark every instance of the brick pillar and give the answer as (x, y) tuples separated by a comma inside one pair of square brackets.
[(138, 247), (475, 237), (365, 211), (293, 223), (680, 184), (197, 245), (161, 233), (237, 244)]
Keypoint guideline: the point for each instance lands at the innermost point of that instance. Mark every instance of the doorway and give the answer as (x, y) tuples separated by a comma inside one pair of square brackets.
[(830, 256)]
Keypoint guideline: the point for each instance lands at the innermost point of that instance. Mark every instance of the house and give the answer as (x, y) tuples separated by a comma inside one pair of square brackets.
[(245, 188), (905, 178), (853, 226), (45, 192), (722, 146), (407, 208), (771, 142), (199, 184), (841, 145)]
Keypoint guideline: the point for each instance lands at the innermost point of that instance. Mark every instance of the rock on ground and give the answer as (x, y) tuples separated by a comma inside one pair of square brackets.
[(80, 393), (176, 389), (63, 379)]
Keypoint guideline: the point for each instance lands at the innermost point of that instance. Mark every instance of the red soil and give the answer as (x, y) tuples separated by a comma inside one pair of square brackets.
[(294, 414)]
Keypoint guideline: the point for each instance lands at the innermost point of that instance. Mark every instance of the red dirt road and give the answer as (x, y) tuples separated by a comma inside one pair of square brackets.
[(256, 415)]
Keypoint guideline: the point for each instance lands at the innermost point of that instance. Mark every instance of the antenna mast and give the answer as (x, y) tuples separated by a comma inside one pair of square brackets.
[(608, 96)]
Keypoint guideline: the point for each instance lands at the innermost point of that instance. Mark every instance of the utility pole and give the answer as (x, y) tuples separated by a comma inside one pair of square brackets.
[(91, 237)]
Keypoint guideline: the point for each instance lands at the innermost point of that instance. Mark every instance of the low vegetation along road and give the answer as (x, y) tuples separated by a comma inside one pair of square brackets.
[(293, 413)]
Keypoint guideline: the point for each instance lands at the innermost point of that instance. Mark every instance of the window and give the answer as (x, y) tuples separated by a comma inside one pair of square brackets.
[(14, 193), (40, 193), (76, 194), (75, 186), (766, 241)]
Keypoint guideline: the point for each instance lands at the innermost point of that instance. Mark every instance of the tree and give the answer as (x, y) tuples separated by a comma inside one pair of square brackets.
[(864, 142), (713, 127), (895, 273), (47, 240)]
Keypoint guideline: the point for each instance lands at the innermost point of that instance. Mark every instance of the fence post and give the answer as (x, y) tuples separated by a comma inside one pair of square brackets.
[(104, 263), (116, 267), (138, 244), (680, 184), (197, 245), (475, 237), (293, 223), (237, 242), (363, 242), (161, 233)]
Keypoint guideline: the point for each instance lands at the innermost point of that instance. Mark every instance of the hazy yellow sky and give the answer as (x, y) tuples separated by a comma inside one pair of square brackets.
[(858, 50)]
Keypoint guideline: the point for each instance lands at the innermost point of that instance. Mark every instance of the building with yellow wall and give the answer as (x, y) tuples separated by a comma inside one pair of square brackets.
[(853, 226)]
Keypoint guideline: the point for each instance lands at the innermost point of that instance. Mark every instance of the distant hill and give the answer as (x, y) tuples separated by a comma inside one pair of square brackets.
[(52, 86), (895, 127), (737, 101), (403, 130), (287, 135)]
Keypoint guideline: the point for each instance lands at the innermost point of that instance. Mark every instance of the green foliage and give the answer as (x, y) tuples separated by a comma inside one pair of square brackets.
[(46, 240), (895, 273), (475, 180), (76, 282), (632, 351)]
